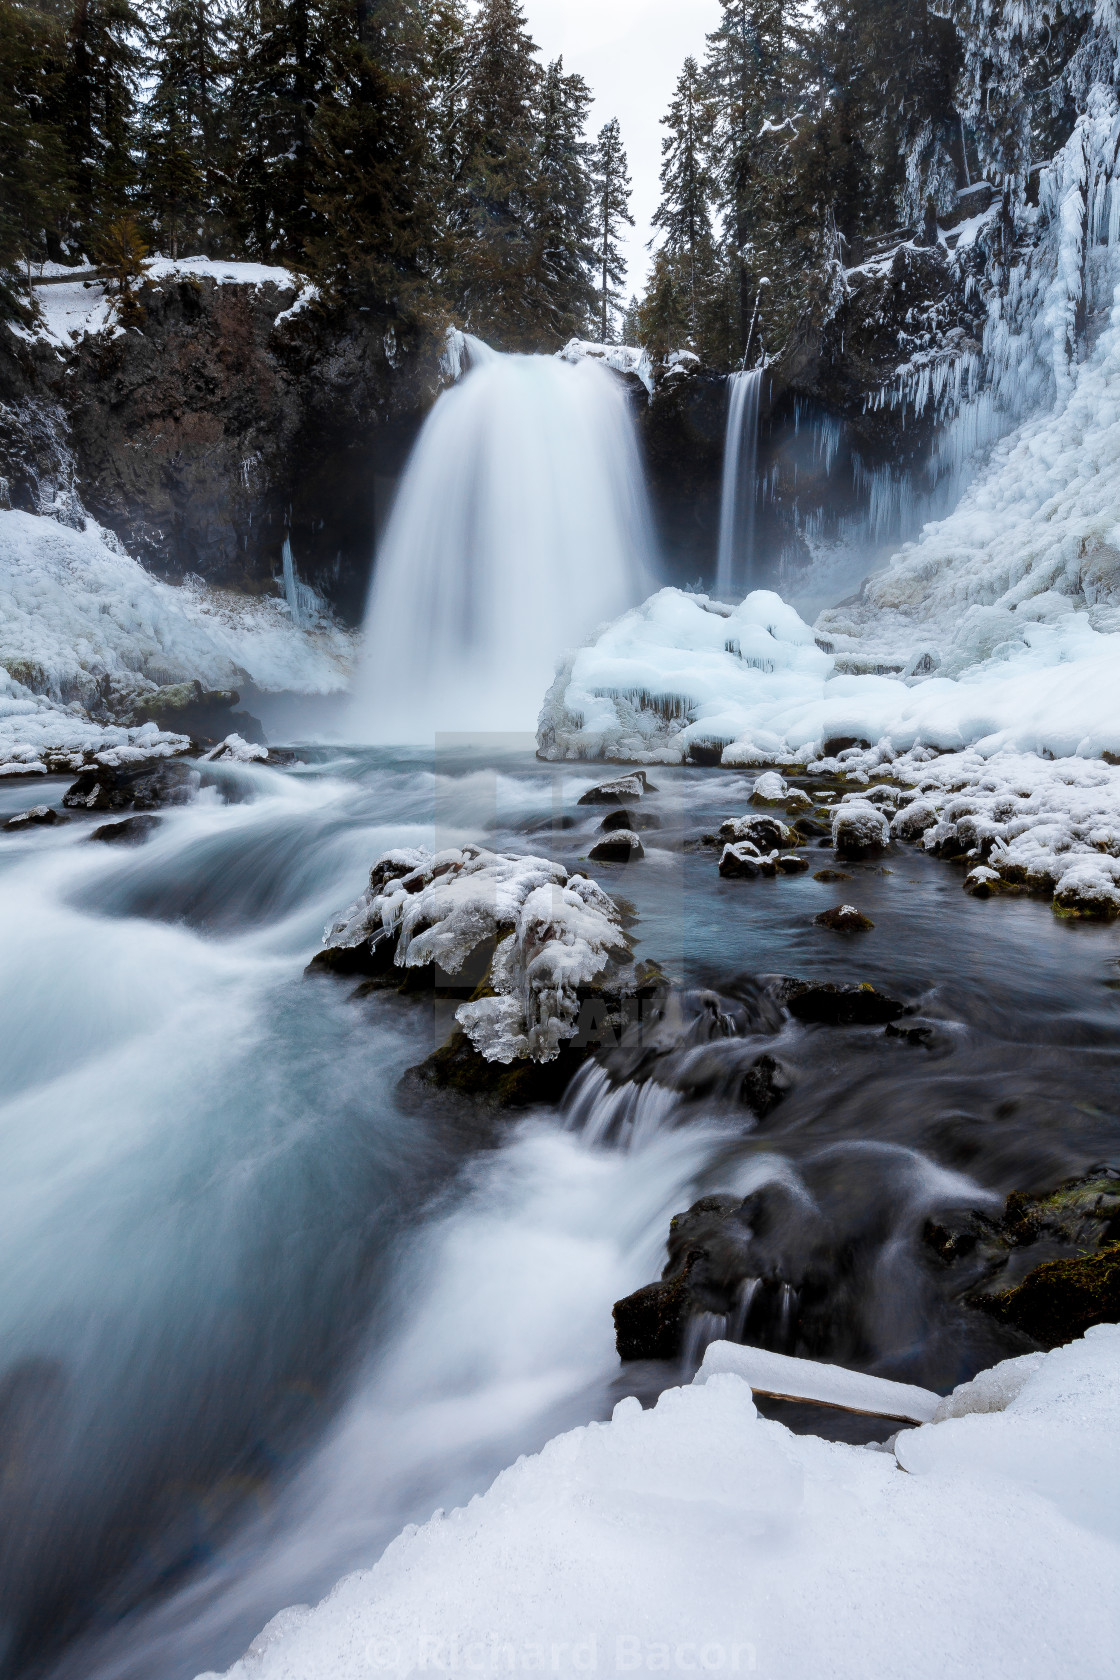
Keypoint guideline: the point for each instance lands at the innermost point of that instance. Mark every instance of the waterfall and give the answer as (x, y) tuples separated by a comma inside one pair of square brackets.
[(735, 558), (521, 525)]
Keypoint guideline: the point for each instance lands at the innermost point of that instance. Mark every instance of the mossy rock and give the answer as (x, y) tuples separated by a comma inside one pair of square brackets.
[(1061, 1299), (457, 1066)]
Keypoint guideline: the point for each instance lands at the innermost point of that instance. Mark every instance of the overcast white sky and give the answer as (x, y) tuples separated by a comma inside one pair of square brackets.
[(630, 52)]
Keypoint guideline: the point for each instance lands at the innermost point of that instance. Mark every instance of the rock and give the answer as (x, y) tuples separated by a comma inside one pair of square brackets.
[(618, 791), (844, 918), (982, 882), (789, 863), (39, 816), (650, 1324), (919, 1032), (459, 1068), (621, 846), (838, 1004), (795, 800), (1084, 1211), (769, 789), (225, 423), (766, 834), (1061, 1299), (913, 820), (623, 818), (836, 744), (130, 831), (859, 827), (189, 709), (810, 829), (827, 875), (741, 862), (1086, 893), (237, 750), (764, 1085), (142, 787)]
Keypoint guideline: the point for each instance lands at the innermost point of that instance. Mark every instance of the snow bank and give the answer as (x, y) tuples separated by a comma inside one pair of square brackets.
[(76, 608), (699, 1537), (555, 932), (681, 673), (83, 626)]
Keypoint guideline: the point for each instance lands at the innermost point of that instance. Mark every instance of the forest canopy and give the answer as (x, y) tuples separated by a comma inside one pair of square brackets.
[(418, 159)]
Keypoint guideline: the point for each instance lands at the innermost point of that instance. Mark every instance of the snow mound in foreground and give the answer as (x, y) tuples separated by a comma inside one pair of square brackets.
[(682, 677), (700, 1537), (555, 932), (82, 625)]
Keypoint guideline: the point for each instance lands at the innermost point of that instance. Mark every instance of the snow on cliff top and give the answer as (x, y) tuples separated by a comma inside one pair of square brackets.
[(700, 1537), (73, 309)]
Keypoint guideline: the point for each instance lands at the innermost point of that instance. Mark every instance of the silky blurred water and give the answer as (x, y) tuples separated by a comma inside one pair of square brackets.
[(261, 1310)]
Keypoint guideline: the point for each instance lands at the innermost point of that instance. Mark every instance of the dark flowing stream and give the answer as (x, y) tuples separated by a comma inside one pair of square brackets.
[(261, 1309)]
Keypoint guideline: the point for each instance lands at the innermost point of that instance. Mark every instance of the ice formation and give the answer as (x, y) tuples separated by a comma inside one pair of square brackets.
[(82, 625), (699, 1536), (555, 932)]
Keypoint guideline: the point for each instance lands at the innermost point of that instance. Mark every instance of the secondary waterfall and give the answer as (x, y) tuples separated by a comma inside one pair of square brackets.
[(735, 556), (520, 525)]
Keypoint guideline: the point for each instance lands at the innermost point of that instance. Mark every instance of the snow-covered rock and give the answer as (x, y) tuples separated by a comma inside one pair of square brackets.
[(623, 358), (555, 932), (698, 1536)]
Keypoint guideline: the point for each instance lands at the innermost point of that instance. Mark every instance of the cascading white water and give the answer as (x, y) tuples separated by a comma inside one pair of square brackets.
[(735, 555), (521, 524)]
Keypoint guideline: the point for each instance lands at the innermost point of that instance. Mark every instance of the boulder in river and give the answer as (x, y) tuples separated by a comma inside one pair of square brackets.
[(744, 862), (768, 834), (859, 827), (622, 818), (1061, 1299), (39, 816), (619, 791), (844, 918), (620, 846), (129, 831), (141, 787), (837, 1003)]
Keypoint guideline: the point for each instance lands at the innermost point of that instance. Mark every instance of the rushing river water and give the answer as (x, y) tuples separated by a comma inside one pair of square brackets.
[(261, 1309)]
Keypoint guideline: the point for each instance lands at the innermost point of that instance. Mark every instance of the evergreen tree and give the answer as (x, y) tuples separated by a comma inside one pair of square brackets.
[(683, 214), (184, 182), (562, 207), (374, 197), (610, 182), (32, 164), (492, 211), (98, 110)]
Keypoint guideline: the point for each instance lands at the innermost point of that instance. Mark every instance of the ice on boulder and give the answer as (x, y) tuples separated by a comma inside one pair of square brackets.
[(555, 932)]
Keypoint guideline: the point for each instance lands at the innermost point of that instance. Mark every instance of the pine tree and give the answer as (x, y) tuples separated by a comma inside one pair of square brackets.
[(561, 218), (103, 62), (492, 210), (184, 189), (376, 203), (279, 76), (610, 179), (683, 214), (32, 164)]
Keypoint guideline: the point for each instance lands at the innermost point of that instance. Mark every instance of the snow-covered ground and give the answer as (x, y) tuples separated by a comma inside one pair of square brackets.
[(700, 1538), (83, 625), (71, 310)]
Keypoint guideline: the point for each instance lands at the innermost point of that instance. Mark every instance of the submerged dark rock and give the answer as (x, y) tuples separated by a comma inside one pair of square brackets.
[(765, 1084), (130, 831), (142, 787), (636, 820), (837, 1003)]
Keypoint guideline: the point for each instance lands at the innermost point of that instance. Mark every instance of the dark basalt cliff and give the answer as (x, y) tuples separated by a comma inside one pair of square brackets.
[(219, 424)]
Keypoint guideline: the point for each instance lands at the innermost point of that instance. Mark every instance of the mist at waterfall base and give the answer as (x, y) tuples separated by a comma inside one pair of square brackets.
[(262, 1309), (521, 524)]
